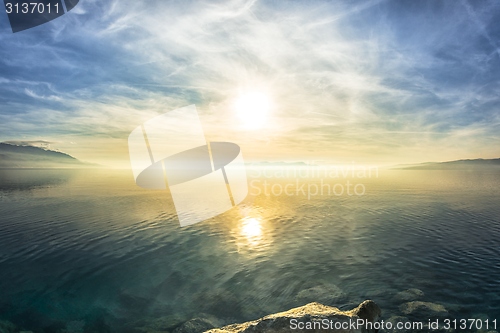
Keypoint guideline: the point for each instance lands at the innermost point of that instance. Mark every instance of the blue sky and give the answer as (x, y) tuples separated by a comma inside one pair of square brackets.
[(377, 82)]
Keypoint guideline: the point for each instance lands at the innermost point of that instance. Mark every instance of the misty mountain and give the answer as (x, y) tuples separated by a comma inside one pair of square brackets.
[(14, 156), (455, 165), (276, 164)]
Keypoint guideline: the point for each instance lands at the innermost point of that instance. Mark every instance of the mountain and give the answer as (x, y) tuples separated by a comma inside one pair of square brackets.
[(275, 164), (14, 156), (454, 165)]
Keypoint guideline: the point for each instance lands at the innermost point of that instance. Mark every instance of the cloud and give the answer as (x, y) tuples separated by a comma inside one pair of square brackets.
[(31, 93), (33, 143), (366, 80)]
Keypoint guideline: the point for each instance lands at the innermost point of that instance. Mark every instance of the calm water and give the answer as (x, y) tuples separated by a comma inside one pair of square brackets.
[(88, 251)]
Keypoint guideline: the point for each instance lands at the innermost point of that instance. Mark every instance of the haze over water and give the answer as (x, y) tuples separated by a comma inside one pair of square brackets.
[(90, 247)]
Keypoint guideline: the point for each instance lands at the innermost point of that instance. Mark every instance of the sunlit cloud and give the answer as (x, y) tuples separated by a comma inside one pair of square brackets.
[(357, 81)]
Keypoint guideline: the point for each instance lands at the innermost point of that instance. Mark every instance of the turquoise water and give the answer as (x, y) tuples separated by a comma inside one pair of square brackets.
[(89, 251)]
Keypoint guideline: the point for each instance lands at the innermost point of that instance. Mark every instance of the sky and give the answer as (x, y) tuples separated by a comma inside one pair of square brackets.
[(366, 82)]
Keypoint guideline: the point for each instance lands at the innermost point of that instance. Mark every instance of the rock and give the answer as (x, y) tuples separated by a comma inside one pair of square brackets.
[(325, 294), (423, 310), (161, 324), (177, 324), (375, 293), (222, 303), (455, 308), (311, 314), (394, 320), (7, 327), (196, 325), (76, 326), (409, 295), (481, 316), (133, 303), (367, 310)]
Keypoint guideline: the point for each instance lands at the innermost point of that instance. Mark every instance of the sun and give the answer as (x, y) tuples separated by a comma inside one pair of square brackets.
[(252, 108)]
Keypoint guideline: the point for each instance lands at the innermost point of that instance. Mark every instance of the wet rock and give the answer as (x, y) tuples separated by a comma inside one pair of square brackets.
[(375, 293), (325, 294), (7, 327), (455, 308), (402, 324), (76, 326), (133, 303), (480, 316), (222, 303), (196, 325), (395, 320), (408, 295), (423, 310), (160, 325), (313, 312), (367, 310)]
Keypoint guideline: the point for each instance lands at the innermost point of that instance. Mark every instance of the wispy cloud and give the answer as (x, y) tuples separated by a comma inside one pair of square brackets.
[(31, 93), (377, 81), (32, 143)]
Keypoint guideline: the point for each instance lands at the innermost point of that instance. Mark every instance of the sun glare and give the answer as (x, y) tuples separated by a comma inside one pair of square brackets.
[(252, 108), (251, 228)]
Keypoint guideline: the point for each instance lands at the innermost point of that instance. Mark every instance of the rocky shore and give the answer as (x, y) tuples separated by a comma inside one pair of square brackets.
[(313, 317), (408, 307), (300, 319)]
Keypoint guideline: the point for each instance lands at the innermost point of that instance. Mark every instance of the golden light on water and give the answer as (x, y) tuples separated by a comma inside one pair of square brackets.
[(251, 233), (251, 229)]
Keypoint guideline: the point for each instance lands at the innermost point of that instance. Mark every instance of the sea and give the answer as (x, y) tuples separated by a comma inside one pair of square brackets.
[(90, 251)]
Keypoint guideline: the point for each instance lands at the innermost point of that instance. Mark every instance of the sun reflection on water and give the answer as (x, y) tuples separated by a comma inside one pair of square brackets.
[(251, 229), (251, 232)]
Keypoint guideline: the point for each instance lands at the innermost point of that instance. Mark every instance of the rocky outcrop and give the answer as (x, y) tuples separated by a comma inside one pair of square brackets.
[(313, 317), (197, 325), (7, 327), (424, 309), (408, 295), (325, 294), (175, 324)]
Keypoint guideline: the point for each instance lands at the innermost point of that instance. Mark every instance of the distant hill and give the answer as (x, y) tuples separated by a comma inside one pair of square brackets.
[(275, 164), (14, 156), (454, 165)]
